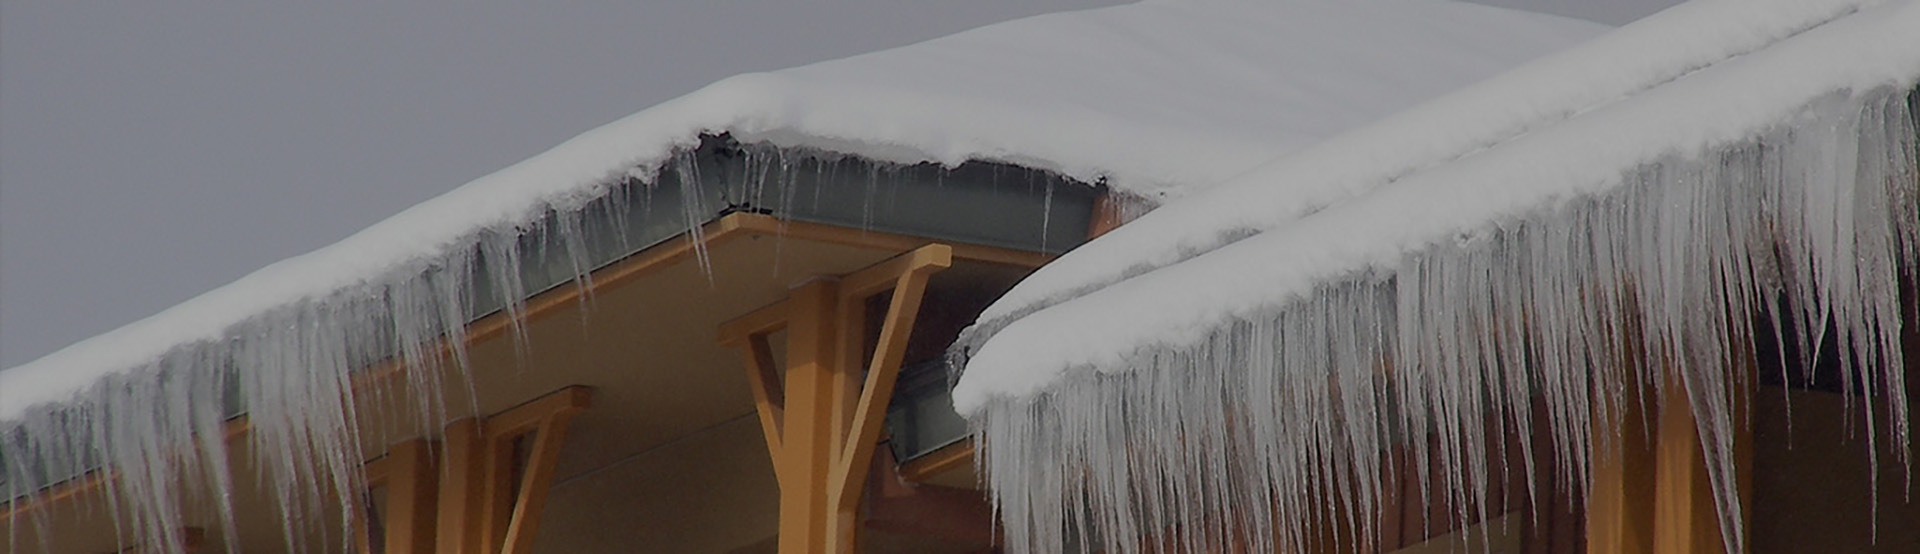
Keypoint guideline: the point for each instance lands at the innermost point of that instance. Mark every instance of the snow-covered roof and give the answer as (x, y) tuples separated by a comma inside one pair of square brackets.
[(1156, 99), (1565, 126), (1628, 213)]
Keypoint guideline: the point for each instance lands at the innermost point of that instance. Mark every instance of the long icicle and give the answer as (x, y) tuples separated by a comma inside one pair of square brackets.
[(1278, 424)]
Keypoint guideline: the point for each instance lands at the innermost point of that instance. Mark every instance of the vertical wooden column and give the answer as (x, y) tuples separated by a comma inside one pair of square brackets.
[(1686, 517), (807, 445), (411, 494), (460, 489), (1620, 503), (1683, 512), (1653, 493), (496, 491), (850, 353)]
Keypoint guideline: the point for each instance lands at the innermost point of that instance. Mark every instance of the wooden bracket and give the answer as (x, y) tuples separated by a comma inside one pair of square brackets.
[(512, 510), (823, 416), (479, 498)]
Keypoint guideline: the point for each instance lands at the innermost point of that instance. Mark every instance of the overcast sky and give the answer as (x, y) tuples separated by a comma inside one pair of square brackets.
[(151, 151)]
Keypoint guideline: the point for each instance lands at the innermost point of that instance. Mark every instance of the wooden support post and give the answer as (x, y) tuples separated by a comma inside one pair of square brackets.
[(410, 484), (1620, 503), (496, 491), (822, 420), (462, 470), (807, 446), (1686, 519), (1652, 492)]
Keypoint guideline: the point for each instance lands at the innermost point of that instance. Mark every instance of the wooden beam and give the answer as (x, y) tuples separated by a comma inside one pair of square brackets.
[(947, 458), (496, 490), (527, 417), (735, 332), (1683, 516), (856, 457), (769, 395), (765, 225), (885, 275), (903, 309), (543, 457), (805, 450), (1686, 519), (461, 483), (411, 481), (510, 509), (822, 420), (1620, 501)]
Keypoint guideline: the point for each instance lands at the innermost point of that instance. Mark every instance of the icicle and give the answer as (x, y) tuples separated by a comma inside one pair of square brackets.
[(298, 373), (1275, 428), (686, 169)]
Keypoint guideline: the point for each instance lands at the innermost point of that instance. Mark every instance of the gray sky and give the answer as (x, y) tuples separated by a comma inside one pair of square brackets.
[(151, 151)]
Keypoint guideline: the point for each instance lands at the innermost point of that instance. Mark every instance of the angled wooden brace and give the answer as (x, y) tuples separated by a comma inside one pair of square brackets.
[(482, 508), (822, 418)]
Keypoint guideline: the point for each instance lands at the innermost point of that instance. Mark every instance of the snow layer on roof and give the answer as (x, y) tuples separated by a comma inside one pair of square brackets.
[(1156, 99), (1643, 240), (1295, 198), (1582, 156), (1541, 93)]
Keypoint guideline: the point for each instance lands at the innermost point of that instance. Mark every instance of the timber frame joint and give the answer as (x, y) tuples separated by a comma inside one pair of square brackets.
[(822, 415), (470, 502)]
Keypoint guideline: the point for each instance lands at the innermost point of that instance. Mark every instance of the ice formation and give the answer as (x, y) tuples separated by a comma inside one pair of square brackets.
[(1152, 99), (1553, 88), (1247, 382)]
